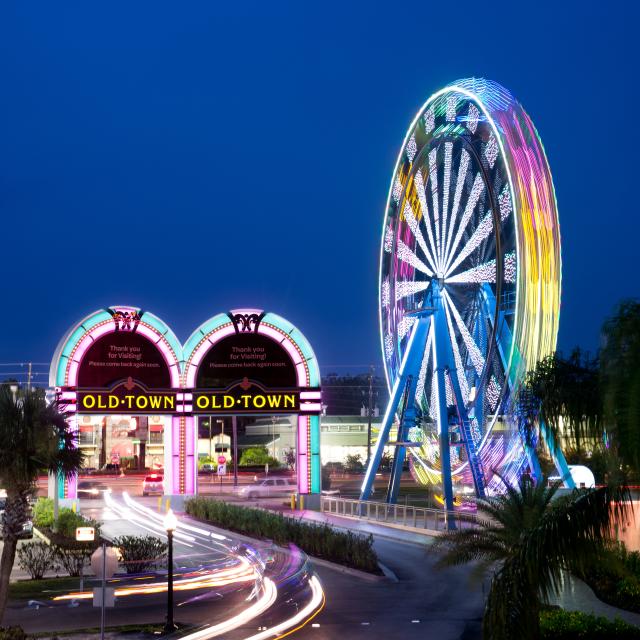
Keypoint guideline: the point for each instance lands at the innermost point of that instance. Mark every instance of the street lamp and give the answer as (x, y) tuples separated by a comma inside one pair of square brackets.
[(170, 524), (14, 389)]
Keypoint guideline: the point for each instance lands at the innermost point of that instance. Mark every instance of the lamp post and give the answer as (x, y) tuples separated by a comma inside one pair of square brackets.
[(170, 524), (14, 390)]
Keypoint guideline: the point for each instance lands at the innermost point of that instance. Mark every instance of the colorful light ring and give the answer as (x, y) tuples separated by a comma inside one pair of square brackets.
[(515, 146)]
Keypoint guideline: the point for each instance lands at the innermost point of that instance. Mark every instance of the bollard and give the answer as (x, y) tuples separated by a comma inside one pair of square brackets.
[(159, 504), (293, 502), (301, 502), (74, 506)]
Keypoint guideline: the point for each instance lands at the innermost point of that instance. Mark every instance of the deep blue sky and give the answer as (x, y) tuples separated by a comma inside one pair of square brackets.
[(188, 158)]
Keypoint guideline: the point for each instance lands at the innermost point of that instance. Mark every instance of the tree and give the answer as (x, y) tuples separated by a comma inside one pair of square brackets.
[(35, 437), (620, 379), (565, 395), (532, 535)]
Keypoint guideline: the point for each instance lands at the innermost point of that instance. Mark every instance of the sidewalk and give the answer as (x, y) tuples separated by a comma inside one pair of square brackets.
[(407, 535)]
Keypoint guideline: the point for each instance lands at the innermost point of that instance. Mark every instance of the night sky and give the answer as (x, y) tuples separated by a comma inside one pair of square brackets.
[(192, 157)]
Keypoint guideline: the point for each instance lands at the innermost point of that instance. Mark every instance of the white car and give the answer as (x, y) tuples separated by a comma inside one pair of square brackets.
[(153, 484), (269, 487)]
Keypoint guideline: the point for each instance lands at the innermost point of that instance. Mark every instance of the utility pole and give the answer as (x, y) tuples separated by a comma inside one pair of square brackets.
[(369, 412), (30, 364)]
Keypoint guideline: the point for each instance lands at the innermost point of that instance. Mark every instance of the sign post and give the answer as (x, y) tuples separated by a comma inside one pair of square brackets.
[(84, 534), (104, 563), (222, 469)]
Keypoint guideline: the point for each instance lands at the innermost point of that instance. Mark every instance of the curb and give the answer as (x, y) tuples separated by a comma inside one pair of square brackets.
[(39, 534), (356, 573)]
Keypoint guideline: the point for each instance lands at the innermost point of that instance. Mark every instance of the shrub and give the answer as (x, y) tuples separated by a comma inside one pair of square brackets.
[(557, 624), (318, 540), (68, 521), (73, 556), (353, 463), (614, 575), (256, 456), (140, 553), (43, 513), (36, 558), (13, 633)]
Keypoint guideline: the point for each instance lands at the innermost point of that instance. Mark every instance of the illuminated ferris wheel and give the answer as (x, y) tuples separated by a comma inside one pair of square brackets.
[(469, 287)]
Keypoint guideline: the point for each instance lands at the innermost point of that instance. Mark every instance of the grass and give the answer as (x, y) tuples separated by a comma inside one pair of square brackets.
[(34, 589), (154, 629)]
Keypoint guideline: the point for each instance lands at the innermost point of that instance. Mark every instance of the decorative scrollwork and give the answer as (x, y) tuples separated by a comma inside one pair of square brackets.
[(246, 322)]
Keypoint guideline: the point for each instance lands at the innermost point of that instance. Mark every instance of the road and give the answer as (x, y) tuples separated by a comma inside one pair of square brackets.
[(425, 602), (222, 584)]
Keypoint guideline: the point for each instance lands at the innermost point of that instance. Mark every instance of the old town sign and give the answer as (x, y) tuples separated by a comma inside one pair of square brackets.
[(248, 371)]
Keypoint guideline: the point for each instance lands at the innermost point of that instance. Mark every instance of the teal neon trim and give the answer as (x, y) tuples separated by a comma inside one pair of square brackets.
[(76, 334), (164, 330), (204, 329), (316, 474), (298, 338)]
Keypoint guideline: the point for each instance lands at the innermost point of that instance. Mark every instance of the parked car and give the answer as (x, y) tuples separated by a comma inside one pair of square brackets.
[(90, 489), (269, 487), (207, 467), (153, 484), (27, 527)]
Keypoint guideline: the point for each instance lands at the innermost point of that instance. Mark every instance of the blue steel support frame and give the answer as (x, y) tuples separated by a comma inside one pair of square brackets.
[(504, 338), (405, 386), (407, 377)]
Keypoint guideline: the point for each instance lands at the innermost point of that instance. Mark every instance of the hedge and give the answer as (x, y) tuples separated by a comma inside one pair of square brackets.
[(318, 540), (557, 624)]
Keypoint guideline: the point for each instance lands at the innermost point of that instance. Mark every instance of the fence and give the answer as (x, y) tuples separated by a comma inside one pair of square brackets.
[(399, 514)]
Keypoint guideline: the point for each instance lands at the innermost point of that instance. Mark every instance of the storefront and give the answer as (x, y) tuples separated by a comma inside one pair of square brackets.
[(133, 393)]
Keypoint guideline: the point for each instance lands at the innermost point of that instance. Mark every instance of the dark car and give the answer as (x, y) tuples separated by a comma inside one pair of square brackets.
[(90, 489)]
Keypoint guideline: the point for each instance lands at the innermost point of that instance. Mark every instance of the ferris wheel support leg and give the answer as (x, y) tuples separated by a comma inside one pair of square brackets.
[(409, 370), (443, 347), (557, 456)]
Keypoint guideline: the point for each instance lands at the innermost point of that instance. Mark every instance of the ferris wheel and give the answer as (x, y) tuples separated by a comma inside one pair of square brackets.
[(469, 288)]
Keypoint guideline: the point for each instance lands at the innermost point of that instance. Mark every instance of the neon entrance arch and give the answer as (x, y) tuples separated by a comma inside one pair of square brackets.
[(123, 361), (258, 363)]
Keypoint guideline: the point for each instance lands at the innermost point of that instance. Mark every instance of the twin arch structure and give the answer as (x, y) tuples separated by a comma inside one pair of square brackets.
[(123, 360)]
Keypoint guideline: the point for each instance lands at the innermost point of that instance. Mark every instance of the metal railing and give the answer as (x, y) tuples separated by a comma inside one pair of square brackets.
[(398, 514)]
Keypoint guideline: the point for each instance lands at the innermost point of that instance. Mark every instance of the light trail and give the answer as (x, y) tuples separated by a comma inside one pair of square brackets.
[(246, 571)]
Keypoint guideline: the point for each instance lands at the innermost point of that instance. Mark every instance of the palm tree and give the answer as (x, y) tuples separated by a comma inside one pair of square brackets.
[(529, 535), (35, 437)]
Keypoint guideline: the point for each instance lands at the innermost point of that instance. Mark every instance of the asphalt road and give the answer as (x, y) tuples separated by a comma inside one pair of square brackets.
[(425, 603)]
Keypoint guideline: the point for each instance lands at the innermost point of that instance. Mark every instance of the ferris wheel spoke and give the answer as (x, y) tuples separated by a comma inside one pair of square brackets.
[(485, 272), (424, 366), (457, 358), (433, 179), (409, 287), (418, 181), (493, 392), (477, 359), (462, 175), (482, 232), (405, 254), (410, 217), (404, 326), (448, 152), (474, 196)]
